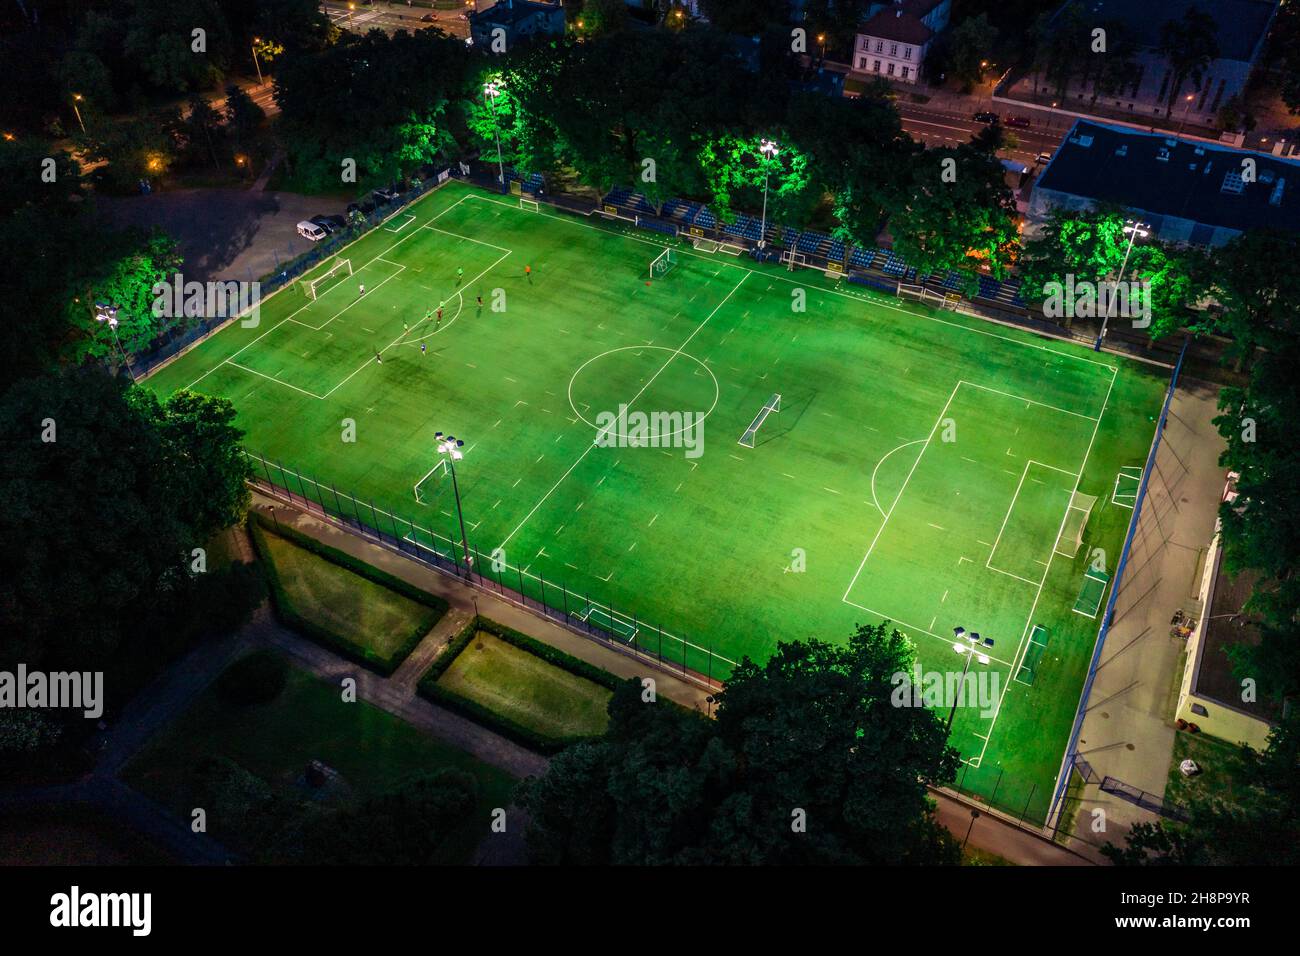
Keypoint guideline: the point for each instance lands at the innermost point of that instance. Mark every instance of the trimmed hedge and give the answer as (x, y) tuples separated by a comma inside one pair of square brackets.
[(344, 645), (431, 690)]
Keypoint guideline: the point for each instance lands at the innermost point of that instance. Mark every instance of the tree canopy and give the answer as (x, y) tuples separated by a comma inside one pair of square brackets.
[(808, 761)]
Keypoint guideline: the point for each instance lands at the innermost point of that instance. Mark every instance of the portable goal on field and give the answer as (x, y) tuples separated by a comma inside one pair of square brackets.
[(773, 405), (662, 263), (338, 269), (1076, 520)]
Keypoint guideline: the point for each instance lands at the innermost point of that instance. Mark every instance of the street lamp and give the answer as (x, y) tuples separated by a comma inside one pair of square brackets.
[(493, 89), (770, 150), (260, 81), (967, 643), (1189, 97), (450, 446), (1134, 229), (76, 98), (106, 313)]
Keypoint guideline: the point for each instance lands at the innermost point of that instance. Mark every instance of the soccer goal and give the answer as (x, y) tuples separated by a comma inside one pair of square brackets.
[(1092, 592), (793, 259), (706, 245), (773, 405), (662, 263), (530, 204), (1076, 520), (1127, 483), (428, 487), (337, 270)]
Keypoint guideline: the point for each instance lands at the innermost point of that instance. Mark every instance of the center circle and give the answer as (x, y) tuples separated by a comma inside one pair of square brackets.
[(658, 372)]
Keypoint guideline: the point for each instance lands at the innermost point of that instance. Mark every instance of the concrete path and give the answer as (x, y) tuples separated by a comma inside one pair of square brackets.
[(1128, 729)]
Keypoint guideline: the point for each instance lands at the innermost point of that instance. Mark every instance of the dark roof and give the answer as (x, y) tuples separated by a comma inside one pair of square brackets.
[(1240, 24), (1224, 627), (509, 12), (1195, 180), (895, 23)]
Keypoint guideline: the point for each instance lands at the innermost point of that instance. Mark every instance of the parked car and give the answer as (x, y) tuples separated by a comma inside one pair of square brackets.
[(386, 194), (428, 18), (986, 117), (1043, 159), (1017, 122), (309, 230), (330, 224)]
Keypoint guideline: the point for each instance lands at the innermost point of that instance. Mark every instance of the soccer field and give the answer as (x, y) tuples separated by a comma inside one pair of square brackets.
[(920, 468)]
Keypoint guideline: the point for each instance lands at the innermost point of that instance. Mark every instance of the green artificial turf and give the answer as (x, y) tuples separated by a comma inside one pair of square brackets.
[(373, 751), (527, 690), (918, 470)]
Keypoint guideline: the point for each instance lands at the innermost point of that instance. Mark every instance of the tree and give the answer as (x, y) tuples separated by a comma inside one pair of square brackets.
[(125, 278), (811, 735), (99, 481), (161, 39), (737, 170), (1259, 289), (1190, 44), (383, 103), (967, 50), (956, 212), (243, 116), (745, 16)]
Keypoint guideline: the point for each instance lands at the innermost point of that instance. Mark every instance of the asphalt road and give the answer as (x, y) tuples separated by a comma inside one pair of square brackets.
[(943, 127)]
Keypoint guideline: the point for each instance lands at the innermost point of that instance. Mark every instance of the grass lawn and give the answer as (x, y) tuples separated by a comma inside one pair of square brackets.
[(374, 751), (344, 603), (1214, 757), (526, 689), (919, 470)]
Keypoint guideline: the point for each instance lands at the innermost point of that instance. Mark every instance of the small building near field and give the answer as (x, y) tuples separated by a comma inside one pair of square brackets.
[(894, 39), (1212, 697), (515, 21), (1189, 191)]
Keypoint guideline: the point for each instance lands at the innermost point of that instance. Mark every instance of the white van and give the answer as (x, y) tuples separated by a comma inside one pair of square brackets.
[(309, 230)]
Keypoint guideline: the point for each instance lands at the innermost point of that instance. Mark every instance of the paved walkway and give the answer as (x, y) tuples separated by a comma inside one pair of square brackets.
[(1128, 730)]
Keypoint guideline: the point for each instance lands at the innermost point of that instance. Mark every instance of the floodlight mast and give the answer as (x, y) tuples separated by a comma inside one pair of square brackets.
[(1134, 229), (770, 149), (972, 641), (493, 88), (107, 313), (450, 447)]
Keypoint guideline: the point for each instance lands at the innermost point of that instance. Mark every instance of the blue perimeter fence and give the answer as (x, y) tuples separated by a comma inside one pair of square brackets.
[(1072, 749), (583, 613)]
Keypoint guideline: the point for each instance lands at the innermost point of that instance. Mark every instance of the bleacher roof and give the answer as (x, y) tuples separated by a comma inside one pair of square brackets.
[(1166, 176)]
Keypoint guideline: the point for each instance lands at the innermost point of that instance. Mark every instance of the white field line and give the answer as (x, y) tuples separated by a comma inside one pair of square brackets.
[(399, 338), (1029, 401), (586, 451), (467, 238), (946, 641), (1023, 645), (779, 278), (292, 314), (899, 497), (321, 327)]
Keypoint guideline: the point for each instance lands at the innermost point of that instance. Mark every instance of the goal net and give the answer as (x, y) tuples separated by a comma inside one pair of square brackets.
[(1070, 539), (706, 245), (430, 486), (662, 263), (338, 270), (793, 259), (773, 405), (530, 204)]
